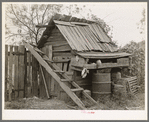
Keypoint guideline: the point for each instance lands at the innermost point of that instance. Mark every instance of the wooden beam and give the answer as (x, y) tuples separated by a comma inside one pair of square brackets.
[(103, 65), (55, 76), (62, 61), (66, 80), (59, 71), (78, 89)]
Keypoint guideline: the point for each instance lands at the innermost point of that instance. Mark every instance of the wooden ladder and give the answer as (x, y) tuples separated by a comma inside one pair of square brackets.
[(55, 72)]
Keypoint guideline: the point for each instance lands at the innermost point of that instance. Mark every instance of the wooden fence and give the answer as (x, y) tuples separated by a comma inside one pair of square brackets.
[(23, 77), (21, 70)]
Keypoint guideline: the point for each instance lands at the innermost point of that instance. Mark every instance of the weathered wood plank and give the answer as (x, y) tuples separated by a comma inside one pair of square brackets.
[(66, 54), (62, 47), (67, 37), (79, 23), (10, 71), (44, 82), (21, 49), (56, 77), (55, 44), (6, 72), (65, 65), (16, 72), (29, 74), (48, 77), (34, 76), (42, 87), (78, 38), (57, 87), (25, 75), (104, 65), (63, 51)]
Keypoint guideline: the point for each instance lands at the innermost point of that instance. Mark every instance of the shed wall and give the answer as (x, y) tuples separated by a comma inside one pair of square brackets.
[(60, 46)]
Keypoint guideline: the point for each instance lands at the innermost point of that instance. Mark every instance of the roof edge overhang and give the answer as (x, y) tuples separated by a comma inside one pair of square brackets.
[(100, 55)]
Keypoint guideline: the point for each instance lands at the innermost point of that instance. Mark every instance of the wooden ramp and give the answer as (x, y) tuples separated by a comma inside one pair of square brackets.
[(56, 73)]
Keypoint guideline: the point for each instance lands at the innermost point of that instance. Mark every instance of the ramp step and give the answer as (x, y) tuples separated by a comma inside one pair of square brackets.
[(79, 89), (36, 49), (66, 80), (46, 59), (59, 71)]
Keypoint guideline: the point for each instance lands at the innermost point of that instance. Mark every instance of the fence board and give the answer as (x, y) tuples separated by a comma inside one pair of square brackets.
[(28, 90), (16, 72), (47, 75), (6, 72), (34, 76), (57, 88), (10, 72), (25, 75), (21, 49), (42, 87)]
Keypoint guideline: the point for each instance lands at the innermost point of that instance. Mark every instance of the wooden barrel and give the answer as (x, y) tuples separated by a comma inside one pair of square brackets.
[(101, 84)]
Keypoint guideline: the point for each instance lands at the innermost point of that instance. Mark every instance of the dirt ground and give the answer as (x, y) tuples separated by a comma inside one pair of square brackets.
[(132, 103)]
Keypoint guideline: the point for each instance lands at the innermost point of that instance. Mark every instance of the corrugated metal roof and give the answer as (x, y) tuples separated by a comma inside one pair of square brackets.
[(84, 38), (100, 55)]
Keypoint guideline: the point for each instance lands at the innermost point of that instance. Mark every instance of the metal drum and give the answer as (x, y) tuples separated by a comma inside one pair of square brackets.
[(101, 84)]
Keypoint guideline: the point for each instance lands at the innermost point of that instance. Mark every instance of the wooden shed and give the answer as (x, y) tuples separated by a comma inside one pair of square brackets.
[(80, 48)]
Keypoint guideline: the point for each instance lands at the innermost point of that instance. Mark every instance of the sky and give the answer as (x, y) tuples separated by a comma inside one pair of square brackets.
[(123, 17)]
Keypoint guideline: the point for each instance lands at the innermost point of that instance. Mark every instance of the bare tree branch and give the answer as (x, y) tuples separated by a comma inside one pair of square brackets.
[(37, 16), (21, 21), (44, 13), (14, 35)]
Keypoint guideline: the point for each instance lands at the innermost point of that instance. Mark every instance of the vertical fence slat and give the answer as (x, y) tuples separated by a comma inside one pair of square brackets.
[(42, 87), (25, 75), (6, 71), (16, 72), (10, 71), (21, 49), (57, 88), (47, 75), (29, 87), (34, 76)]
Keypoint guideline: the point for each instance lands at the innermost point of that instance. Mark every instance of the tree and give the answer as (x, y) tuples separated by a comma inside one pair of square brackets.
[(141, 24), (25, 18)]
